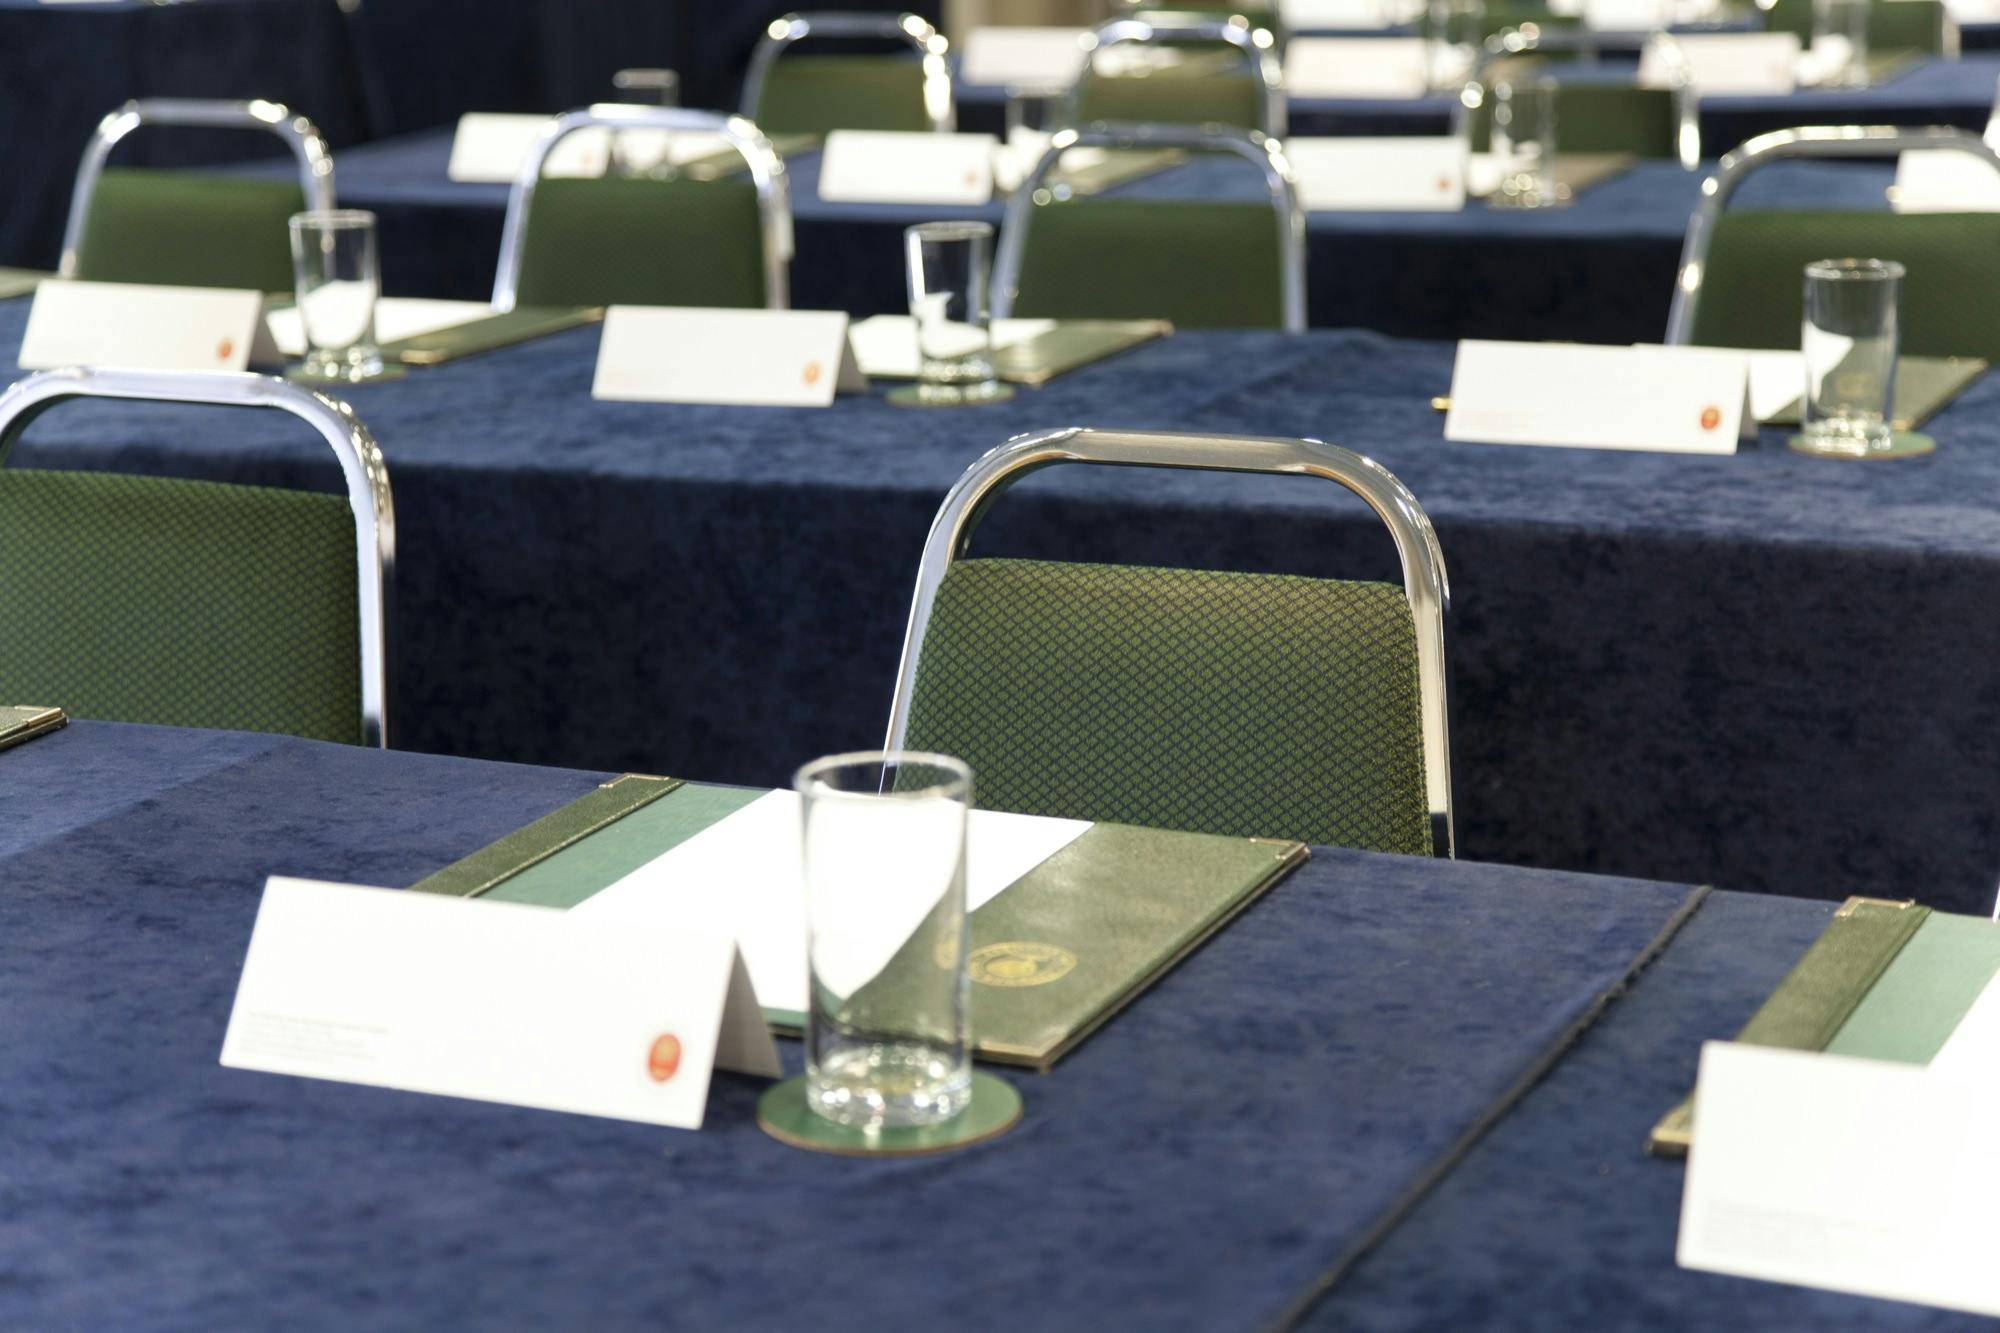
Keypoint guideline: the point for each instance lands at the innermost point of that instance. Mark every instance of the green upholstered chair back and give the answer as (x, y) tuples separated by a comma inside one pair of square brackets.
[(1201, 265), (149, 599), (186, 229), (1200, 94), (1245, 704), (1894, 26), (1752, 291), (1593, 118), (643, 242), (811, 94)]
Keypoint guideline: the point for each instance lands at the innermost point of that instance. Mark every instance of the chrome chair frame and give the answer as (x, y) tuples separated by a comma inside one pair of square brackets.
[(361, 464), (1425, 583), (1518, 41), (1265, 152), (299, 134), (939, 107), (767, 173), (1805, 141), (1260, 56)]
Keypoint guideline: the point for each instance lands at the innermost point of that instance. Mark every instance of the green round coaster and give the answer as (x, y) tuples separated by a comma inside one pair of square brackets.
[(1903, 444), (910, 395), (782, 1113)]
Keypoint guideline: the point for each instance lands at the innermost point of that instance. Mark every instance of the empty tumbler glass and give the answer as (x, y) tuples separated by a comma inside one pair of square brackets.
[(1524, 140), (1849, 338), (888, 1036), (337, 280), (951, 264)]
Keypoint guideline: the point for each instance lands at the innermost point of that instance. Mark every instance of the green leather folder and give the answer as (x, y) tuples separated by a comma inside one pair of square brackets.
[(23, 722), (484, 335), (1924, 385), (1884, 981), (1070, 344), (1052, 958)]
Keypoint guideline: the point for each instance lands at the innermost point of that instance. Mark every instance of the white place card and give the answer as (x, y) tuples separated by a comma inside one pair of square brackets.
[(1690, 400), (1973, 11), (745, 870), (886, 345), (1725, 64), (138, 326), (396, 318), (894, 167), (1358, 67), (1936, 180), (1415, 174), (1348, 15), (757, 358), (498, 1002), (489, 147), (1038, 58), (1848, 1175)]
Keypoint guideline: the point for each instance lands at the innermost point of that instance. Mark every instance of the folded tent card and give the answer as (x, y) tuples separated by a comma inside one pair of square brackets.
[(1426, 174), (1668, 399), (497, 1002), (1724, 64), (685, 354), (1367, 67), (1936, 180)]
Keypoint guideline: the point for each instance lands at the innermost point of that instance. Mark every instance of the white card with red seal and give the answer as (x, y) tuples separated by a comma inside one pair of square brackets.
[(907, 167), (498, 1002), (1683, 400)]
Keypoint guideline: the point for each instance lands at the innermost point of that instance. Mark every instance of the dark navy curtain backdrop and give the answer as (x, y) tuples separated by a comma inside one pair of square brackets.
[(359, 69)]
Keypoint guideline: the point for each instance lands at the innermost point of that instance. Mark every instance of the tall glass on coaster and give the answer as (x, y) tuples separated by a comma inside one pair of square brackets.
[(888, 1037), (951, 266), (1849, 338), (337, 280), (1840, 39), (1524, 140), (646, 153)]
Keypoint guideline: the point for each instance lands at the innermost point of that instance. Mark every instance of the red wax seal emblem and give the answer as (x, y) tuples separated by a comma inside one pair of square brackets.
[(1711, 417), (812, 372), (664, 1060), (1444, 185), (223, 349)]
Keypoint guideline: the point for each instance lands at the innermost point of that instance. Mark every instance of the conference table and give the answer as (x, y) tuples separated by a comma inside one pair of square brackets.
[(1930, 91), (1761, 671), (1599, 270), (1328, 1116)]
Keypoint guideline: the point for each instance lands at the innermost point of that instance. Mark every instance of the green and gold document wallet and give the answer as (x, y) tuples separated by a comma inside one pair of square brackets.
[(1924, 386), (1884, 981), (1069, 921), (24, 722)]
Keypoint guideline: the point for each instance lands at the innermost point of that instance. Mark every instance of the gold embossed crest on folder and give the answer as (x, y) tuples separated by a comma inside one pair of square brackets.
[(1020, 963)]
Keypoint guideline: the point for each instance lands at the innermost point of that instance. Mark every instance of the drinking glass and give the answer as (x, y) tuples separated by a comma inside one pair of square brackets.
[(1524, 139), (1840, 38), (1849, 339), (950, 267), (1453, 30), (337, 279), (888, 1040), (647, 87)]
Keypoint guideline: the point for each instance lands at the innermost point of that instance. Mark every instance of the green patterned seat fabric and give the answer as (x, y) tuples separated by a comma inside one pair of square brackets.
[(1201, 265), (1593, 118), (187, 230), (1172, 96), (631, 241), (1254, 705), (808, 94), (1752, 293), (187, 603), (1894, 26)]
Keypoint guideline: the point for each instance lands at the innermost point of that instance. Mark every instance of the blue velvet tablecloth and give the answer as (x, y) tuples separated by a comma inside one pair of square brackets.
[(1601, 270), (1765, 671), (1197, 1164), (1559, 1220)]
